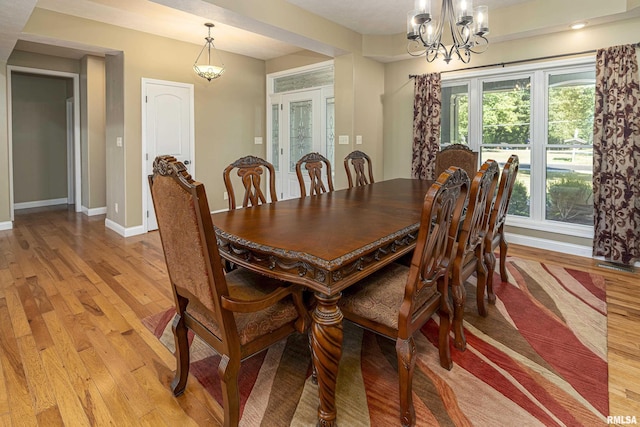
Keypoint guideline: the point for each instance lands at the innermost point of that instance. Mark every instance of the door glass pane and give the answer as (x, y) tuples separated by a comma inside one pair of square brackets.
[(330, 130), (300, 132), (569, 154), (275, 136), (455, 115)]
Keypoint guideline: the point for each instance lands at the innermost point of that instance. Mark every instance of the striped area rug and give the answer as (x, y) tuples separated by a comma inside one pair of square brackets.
[(538, 359)]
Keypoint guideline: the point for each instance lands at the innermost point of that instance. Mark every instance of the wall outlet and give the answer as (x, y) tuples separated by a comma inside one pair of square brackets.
[(115, 207), (225, 195)]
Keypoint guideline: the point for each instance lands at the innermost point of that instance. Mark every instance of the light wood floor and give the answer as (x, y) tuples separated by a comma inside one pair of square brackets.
[(73, 350)]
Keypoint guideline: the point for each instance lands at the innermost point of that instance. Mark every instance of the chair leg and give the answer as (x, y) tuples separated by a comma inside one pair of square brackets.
[(228, 370), (459, 295), (179, 382), (504, 246), (490, 261), (406, 352), (446, 314), (481, 274)]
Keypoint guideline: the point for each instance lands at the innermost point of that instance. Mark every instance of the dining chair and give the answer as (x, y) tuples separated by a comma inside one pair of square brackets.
[(495, 234), (469, 257), (313, 163), (239, 313), (358, 159), (250, 170), (398, 300), (457, 155)]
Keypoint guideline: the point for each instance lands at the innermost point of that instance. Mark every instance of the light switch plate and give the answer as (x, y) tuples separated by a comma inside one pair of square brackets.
[(358, 139), (257, 140), (119, 141), (343, 139)]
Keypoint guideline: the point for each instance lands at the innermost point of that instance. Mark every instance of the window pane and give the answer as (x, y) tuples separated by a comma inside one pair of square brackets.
[(569, 166), (506, 111), (275, 136), (314, 78), (571, 103), (455, 115), (520, 197), (569, 185)]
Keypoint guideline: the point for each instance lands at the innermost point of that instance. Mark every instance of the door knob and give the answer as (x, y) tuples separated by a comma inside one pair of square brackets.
[(186, 162)]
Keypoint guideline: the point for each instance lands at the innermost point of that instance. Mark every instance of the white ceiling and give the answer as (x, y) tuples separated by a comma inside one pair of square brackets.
[(379, 17)]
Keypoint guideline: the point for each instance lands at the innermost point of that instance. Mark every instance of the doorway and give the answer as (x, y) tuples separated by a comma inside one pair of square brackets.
[(300, 120), (167, 129), (72, 184)]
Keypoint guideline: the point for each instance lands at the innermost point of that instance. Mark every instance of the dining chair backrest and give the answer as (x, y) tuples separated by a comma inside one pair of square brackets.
[(469, 257), (476, 221), (503, 196), (239, 313), (457, 155), (313, 163), (433, 255), (495, 235), (358, 160), (250, 170)]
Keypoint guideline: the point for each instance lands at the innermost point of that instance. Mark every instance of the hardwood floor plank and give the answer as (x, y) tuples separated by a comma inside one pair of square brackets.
[(80, 378), (40, 388), (119, 406), (68, 402)]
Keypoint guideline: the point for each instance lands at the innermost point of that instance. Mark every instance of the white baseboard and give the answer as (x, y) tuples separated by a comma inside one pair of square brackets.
[(40, 203), (123, 231), (94, 211), (551, 245), (6, 225)]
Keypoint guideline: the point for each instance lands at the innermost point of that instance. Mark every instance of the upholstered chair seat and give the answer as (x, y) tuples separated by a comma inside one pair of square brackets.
[(380, 298), (245, 285)]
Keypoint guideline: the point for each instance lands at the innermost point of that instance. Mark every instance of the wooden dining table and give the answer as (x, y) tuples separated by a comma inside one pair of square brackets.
[(326, 243)]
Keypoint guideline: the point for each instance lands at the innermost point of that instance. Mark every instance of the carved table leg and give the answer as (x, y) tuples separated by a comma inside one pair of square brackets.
[(327, 349)]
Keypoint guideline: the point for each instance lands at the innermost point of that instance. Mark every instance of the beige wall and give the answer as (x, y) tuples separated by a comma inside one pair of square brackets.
[(39, 133), (92, 125), (295, 60), (5, 211), (114, 123), (229, 111), (398, 96), (46, 62)]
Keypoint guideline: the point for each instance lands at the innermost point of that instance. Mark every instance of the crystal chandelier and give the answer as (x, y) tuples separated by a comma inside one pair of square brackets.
[(208, 71), (468, 28)]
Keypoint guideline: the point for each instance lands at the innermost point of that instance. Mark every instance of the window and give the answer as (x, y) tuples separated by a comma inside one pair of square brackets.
[(544, 114)]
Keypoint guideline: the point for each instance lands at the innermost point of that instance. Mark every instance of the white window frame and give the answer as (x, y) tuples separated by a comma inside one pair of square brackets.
[(538, 130)]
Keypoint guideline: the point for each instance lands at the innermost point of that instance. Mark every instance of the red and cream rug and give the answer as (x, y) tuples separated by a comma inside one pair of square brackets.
[(539, 358)]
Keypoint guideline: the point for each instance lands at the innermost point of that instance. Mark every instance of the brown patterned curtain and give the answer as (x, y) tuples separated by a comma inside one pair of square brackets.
[(426, 125), (616, 156)]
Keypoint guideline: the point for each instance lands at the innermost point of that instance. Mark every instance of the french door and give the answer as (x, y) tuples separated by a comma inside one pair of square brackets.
[(300, 123)]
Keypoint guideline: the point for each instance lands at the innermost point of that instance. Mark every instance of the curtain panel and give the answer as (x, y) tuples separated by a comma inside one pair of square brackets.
[(426, 125), (616, 156)]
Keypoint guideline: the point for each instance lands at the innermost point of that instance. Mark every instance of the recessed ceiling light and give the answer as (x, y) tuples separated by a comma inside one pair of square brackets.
[(578, 25)]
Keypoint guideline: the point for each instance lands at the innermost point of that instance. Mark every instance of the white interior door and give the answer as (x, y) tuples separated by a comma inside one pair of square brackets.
[(168, 130)]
